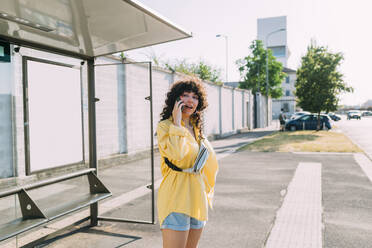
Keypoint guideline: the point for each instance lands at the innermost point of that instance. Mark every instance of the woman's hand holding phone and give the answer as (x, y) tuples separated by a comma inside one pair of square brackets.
[(177, 112)]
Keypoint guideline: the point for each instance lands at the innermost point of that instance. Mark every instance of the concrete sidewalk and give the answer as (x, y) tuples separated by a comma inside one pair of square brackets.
[(261, 199), (128, 183)]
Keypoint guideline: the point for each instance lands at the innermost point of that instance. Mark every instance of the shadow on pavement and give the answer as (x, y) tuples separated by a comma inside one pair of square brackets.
[(246, 137), (86, 235)]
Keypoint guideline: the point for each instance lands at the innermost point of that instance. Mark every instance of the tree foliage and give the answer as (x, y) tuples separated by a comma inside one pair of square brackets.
[(319, 82), (200, 69), (253, 71)]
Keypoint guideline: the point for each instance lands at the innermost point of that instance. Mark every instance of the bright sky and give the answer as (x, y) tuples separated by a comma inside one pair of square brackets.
[(342, 25)]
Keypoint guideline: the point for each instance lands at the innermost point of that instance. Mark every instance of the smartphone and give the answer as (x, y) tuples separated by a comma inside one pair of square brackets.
[(179, 99)]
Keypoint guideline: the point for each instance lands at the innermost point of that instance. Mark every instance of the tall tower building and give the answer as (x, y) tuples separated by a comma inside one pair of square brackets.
[(273, 33)]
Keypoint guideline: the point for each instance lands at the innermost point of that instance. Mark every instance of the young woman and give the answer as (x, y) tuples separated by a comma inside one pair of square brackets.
[(183, 197)]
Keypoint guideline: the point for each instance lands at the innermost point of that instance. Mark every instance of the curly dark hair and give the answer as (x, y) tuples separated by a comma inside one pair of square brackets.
[(178, 88)]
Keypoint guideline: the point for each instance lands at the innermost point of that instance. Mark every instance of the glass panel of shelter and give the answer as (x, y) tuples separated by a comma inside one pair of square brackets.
[(40, 93), (125, 139), (114, 119)]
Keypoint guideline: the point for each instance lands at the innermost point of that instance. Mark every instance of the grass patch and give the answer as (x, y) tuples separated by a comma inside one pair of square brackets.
[(303, 141)]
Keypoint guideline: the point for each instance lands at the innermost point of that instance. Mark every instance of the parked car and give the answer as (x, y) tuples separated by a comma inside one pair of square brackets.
[(334, 116), (308, 122), (298, 114), (367, 113), (354, 114)]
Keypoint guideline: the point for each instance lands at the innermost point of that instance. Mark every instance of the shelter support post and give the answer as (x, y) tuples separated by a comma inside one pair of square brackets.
[(92, 133), (152, 149)]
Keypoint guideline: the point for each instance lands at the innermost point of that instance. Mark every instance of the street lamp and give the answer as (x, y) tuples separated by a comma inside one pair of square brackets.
[(226, 39), (267, 69)]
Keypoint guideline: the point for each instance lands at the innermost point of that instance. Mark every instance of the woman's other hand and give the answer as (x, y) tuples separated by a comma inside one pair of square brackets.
[(177, 112)]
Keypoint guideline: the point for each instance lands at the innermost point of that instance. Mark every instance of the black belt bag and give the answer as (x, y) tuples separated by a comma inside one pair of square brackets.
[(200, 160)]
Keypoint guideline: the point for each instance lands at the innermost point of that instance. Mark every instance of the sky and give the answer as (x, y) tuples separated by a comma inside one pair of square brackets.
[(341, 25)]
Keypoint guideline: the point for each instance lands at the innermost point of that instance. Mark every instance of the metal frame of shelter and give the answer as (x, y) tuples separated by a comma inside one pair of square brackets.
[(92, 128), (162, 31), (25, 69), (150, 186)]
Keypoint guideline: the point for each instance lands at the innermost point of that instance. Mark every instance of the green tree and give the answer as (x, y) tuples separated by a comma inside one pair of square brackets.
[(200, 69), (253, 71), (123, 56), (319, 82), (181, 66), (207, 72)]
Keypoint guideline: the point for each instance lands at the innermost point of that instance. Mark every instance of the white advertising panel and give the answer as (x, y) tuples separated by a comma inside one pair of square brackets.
[(55, 115)]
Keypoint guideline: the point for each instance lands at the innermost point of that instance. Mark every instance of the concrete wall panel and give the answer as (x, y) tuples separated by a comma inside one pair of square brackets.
[(226, 106), (138, 109), (122, 113), (211, 117), (238, 110)]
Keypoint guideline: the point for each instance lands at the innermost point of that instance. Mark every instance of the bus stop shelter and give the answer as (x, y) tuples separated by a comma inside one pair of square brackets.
[(84, 30)]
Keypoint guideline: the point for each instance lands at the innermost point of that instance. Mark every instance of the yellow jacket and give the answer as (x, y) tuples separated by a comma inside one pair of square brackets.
[(183, 192)]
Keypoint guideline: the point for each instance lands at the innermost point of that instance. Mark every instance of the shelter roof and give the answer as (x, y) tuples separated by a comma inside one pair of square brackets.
[(89, 28)]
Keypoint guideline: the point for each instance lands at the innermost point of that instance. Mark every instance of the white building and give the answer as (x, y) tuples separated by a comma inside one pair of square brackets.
[(287, 102), (273, 33)]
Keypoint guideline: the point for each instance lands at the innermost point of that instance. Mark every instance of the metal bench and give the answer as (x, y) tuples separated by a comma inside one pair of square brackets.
[(33, 215)]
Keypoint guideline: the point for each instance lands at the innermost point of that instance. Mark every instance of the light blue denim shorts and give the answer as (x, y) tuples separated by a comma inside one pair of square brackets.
[(181, 222)]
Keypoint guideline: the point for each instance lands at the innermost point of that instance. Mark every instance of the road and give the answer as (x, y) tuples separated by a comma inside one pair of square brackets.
[(359, 131)]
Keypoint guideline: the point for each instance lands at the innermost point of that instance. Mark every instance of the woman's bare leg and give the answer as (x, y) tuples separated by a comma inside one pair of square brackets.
[(193, 238), (174, 239)]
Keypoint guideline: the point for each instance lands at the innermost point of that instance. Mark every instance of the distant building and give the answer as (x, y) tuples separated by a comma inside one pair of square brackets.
[(367, 104), (277, 42), (288, 101)]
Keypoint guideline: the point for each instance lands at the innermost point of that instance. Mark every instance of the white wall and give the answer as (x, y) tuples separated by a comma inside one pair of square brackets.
[(122, 113), (107, 110), (6, 138), (264, 107), (138, 109), (238, 98), (248, 110), (211, 125), (226, 106), (162, 81)]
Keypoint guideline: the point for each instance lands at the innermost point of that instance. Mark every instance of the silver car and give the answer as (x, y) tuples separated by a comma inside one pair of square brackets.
[(355, 114)]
